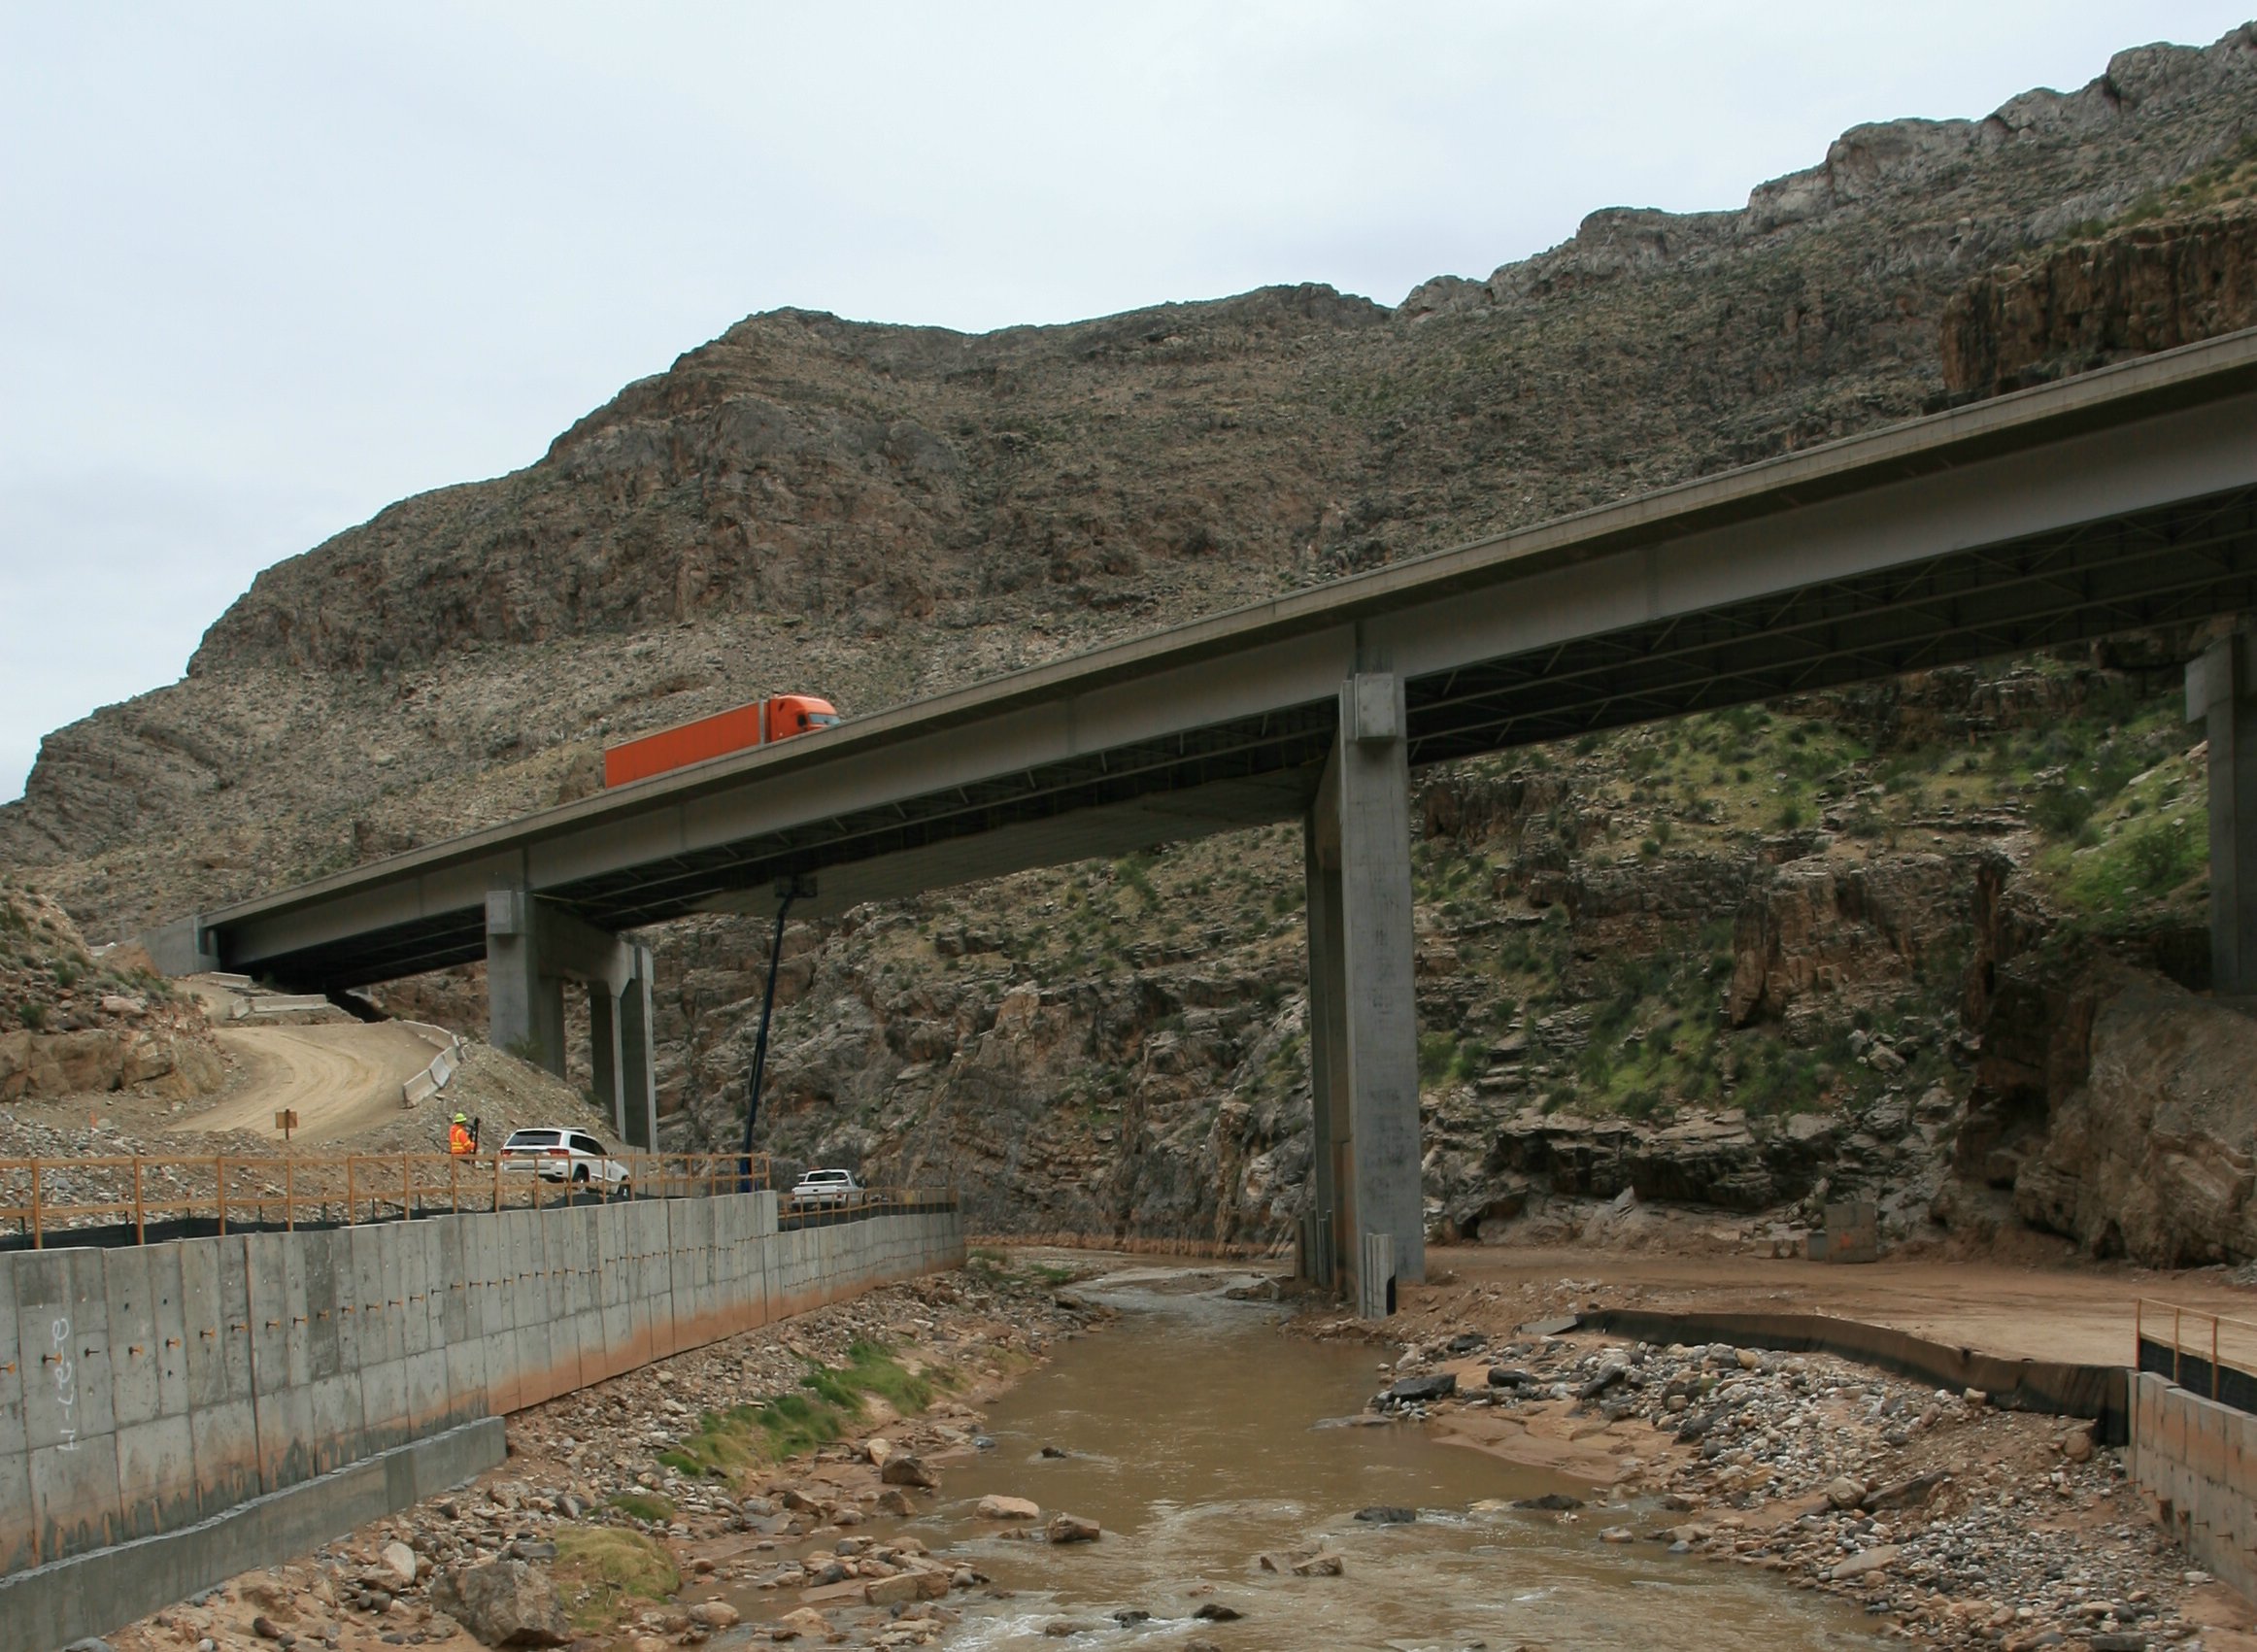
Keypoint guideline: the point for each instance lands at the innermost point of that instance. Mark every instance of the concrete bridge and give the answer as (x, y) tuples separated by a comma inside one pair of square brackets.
[(2120, 499)]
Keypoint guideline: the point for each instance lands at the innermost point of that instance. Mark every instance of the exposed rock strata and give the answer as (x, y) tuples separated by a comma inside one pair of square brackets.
[(2148, 287)]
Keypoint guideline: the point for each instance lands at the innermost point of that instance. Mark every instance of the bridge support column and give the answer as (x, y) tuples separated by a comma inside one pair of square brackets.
[(637, 1108), (525, 1002), (532, 949), (2221, 694), (1363, 1061)]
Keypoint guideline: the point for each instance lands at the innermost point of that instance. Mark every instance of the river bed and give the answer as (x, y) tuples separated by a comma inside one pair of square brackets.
[(1191, 1430)]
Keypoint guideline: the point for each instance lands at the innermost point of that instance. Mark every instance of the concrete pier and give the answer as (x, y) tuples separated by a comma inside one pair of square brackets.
[(1362, 1003), (2221, 694), (533, 948)]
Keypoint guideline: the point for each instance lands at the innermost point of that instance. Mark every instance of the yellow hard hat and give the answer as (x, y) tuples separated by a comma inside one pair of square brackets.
[(461, 1118)]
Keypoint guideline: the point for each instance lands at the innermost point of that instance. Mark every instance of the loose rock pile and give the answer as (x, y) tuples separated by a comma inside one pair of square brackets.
[(1959, 1524)]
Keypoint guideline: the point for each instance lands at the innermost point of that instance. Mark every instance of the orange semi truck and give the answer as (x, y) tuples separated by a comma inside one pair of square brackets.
[(779, 717)]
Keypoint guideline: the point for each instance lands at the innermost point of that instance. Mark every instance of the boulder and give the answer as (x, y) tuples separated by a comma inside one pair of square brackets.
[(503, 1603), (908, 1469), (994, 1507), (1422, 1390), (715, 1614), (401, 1559), (806, 1622), (895, 1591), (1071, 1528)]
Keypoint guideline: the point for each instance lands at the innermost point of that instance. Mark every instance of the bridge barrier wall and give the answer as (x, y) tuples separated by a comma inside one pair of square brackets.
[(2196, 1459), (144, 1389)]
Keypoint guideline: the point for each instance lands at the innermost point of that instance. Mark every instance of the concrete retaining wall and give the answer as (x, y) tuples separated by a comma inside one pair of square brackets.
[(56, 1605), (144, 1389), (2198, 1460)]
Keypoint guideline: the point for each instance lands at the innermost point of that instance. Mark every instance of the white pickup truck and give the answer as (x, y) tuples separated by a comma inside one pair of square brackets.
[(827, 1188)]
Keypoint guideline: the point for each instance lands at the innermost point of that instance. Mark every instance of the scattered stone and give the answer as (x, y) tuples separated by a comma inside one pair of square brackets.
[(1386, 1514), (994, 1507), (1214, 1611), (1877, 1559), (1914, 1492), (1071, 1528), (1551, 1502)]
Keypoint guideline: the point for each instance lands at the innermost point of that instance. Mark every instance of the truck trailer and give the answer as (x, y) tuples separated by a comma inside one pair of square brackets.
[(779, 717)]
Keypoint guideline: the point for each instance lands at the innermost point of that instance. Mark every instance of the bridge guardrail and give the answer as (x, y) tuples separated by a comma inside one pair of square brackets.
[(2204, 1353)]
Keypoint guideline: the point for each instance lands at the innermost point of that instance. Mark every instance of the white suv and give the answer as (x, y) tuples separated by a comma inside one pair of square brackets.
[(826, 1187), (560, 1155)]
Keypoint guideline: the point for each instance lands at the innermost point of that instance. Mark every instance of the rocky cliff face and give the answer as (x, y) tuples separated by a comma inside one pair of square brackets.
[(2188, 272), (1734, 949), (71, 1023)]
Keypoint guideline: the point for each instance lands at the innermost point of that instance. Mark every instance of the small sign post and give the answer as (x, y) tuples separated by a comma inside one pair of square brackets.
[(286, 1121)]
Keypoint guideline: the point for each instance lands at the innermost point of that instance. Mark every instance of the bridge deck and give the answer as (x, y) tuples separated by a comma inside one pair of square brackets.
[(2120, 499)]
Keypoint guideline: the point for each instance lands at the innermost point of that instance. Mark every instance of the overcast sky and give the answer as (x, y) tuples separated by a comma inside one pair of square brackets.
[(268, 269)]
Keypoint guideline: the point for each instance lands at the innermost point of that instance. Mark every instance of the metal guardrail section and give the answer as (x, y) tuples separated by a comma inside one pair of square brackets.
[(44, 1199), (2204, 1353)]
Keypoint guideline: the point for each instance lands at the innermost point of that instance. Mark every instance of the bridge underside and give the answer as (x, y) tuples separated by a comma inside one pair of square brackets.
[(2165, 565)]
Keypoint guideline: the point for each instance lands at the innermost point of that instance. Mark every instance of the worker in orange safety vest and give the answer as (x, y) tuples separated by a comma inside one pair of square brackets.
[(460, 1141)]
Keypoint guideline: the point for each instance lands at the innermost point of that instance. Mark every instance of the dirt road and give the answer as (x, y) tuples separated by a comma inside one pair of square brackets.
[(2083, 1314), (341, 1080)]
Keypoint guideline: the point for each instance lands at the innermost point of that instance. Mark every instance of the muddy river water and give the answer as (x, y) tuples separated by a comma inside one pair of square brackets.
[(1191, 1432)]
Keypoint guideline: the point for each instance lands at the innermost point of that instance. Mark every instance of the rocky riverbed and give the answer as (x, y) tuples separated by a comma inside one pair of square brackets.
[(597, 1531), (1951, 1522)]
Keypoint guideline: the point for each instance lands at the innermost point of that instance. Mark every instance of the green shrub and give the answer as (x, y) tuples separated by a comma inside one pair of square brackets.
[(601, 1569), (644, 1506)]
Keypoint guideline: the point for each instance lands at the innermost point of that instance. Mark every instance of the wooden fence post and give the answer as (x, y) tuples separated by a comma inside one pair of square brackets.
[(140, 1224)]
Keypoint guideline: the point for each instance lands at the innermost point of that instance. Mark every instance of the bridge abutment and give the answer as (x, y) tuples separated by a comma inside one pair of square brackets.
[(1363, 1007), (532, 949), (2221, 694)]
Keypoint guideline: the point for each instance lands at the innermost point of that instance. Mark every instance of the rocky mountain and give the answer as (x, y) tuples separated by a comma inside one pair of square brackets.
[(1726, 961)]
